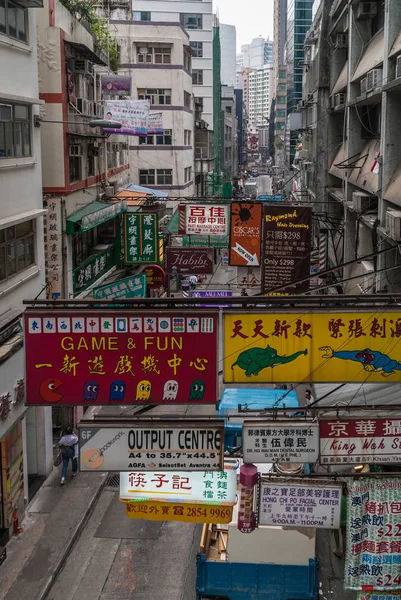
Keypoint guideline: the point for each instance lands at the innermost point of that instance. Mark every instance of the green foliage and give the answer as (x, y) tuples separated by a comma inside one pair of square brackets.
[(85, 12)]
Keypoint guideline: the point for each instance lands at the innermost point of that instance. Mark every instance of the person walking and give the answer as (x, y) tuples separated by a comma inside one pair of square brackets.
[(69, 451)]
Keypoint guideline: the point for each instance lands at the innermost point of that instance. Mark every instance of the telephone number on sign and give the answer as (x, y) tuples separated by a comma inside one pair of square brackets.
[(182, 455)]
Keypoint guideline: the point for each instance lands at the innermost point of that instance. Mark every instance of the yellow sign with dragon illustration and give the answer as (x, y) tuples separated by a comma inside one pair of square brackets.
[(312, 347)]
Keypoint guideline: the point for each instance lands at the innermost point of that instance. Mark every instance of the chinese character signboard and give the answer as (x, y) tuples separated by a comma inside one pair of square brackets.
[(245, 234), (189, 260), (300, 504), (373, 554), (129, 287), (92, 268), (141, 244), (315, 347), (286, 248), (155, 276), (206, 219), (212, 487), (356, 441), (270, 442), (94, 357), (213, 241), (149, 446), (132, 114), (116, 85), (248, 277), (53, 248), (177, 511), (155, 123)]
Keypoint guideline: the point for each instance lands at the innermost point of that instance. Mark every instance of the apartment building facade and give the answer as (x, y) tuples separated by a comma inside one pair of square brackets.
[(158, 60), (361, 191), (25, 433)]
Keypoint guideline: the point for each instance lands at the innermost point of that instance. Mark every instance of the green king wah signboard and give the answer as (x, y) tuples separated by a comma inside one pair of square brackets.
[(129, 287), (141, 243)]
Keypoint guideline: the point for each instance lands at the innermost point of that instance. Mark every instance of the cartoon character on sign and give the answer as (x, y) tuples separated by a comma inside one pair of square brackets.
[(370, 359), (252, 361), (117, 391), (143, 390), (197, 390), (91, 391), (47, 390), (170, 390)]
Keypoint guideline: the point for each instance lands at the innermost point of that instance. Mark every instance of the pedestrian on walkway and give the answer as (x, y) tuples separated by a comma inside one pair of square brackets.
[(69, 451), (343, 526)]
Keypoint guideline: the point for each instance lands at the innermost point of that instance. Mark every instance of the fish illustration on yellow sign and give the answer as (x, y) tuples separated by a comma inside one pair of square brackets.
[(318, 347)]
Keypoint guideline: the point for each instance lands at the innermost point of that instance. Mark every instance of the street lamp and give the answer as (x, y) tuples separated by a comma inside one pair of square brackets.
[(103, 123)]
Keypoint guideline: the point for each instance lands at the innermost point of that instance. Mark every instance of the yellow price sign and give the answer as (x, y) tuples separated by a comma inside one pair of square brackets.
[(151, 510), (312, 347)]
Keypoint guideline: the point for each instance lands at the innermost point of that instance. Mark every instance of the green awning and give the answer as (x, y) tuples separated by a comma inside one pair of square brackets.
[(173, 225), (92, 215)]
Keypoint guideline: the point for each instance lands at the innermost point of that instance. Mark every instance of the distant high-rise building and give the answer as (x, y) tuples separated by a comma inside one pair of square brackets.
[(280, 30), (228, 42), (299, 20), (256, 54)]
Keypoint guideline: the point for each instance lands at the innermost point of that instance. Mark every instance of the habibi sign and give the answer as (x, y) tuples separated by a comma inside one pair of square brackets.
[(245, 234), (149, 445), (189, 260), (93, 357), (286, 248)]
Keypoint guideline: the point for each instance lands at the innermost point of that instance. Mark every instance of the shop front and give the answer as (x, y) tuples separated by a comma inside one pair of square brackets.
[(94, 239)]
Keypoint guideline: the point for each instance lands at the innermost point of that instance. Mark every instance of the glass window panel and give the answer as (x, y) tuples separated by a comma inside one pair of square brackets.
[(9, 139), (10, 233), (20, 255), (12, 20), (30, 251), (17, 139), (23, 229), (26, 139), (3, 271), (21, 112), (21, 25), (3, 16), (11, 262)]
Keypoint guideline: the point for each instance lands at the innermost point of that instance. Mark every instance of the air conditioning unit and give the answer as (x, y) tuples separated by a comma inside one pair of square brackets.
[(374, 79), (393, 224), (366, 10), (80, 65), (339, 99), (398, 67), (111, 189), (364, 85), (361, 201), (82, 106), (6, 113), (341, 40), (76, 150)]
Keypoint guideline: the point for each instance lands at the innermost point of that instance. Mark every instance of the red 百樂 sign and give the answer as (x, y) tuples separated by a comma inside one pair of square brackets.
[(97, 357)]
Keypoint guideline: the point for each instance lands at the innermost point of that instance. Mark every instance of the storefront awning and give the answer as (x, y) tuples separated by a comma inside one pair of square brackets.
[(147, 191), (361, 175), (92, 215), (392, 192), (372, 56), (342, 80), (131, 198)]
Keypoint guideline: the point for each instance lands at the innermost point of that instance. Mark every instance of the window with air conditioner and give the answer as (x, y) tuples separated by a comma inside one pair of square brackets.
[(362, 201), (393, 224), (374, 79)]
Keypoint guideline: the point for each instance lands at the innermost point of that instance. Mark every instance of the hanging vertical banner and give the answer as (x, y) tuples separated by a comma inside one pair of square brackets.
[(53, 238), (245, 234), (286, 248), (373, 554), (141, 244), (132, 114)]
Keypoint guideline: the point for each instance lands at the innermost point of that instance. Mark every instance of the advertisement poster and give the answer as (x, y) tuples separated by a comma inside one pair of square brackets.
[(245, 234), (132, 114), (315, 347), (189, 260), (356, 441), (149, 446), (141, 238), (115, 85), (177, 511), (206, 219), (92, 357), (373, 554), (129, 287), (286, 248), (211, 487), (300, 504), (155, 123), (271, 442)]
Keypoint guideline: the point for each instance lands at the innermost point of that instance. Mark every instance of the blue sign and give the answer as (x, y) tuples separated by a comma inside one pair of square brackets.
[(269, 198), (212, 294)]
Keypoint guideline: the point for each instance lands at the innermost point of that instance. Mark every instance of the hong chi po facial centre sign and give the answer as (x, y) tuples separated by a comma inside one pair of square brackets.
[(98, 357), (149, 446)]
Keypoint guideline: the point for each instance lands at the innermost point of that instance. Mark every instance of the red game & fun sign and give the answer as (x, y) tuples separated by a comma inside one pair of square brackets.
[(95, 357)]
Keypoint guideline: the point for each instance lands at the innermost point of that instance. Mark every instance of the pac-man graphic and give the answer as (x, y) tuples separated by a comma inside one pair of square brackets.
[(47, 390), (170, 390), (117, 391), (91, 391), (197, 390), (143, 390)]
